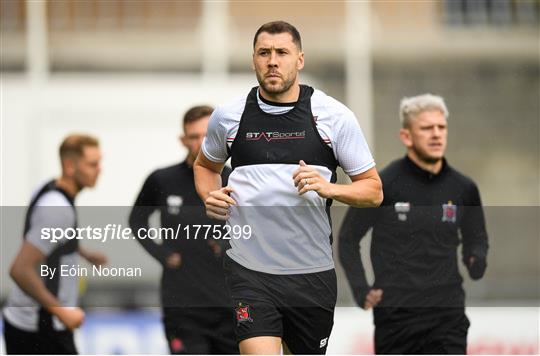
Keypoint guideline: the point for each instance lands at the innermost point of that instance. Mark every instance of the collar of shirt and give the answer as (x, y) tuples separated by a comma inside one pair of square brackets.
[(184, 165), (274, 108), (422, 173)]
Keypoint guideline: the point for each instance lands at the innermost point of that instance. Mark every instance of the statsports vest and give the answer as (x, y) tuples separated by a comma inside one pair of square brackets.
[(289, 233)]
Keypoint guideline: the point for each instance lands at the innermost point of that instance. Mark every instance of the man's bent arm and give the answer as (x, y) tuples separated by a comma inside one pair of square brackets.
[(474, 234), (146, 204), (207, 176), (355, 226), (23, 272), (364, 191)]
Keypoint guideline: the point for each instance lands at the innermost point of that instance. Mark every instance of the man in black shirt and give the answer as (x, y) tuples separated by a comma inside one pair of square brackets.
[(195, 302), (417, 295)]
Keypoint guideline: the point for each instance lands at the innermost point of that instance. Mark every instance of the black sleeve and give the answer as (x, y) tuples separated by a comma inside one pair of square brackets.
[(147, 202), (356, 224), (474, 234)]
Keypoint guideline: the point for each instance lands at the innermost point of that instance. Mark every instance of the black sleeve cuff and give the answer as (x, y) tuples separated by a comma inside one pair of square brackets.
[(478, 268), (360, 296)]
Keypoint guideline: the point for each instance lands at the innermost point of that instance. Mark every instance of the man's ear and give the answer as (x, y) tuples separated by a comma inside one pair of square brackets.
[(300, 63), (182, 139), (68, 167), (405, 137)]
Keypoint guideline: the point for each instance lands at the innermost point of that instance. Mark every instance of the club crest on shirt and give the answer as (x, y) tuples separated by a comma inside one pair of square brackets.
[(401, 209), (242, 313), (449, 212), (174, 202)]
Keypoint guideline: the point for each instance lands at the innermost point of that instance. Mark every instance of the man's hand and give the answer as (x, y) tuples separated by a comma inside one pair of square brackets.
[(476, 267), (373, 298), (218, 203), (94, 257), (174, 260), (307, 178), (215, 247), (71, 317)]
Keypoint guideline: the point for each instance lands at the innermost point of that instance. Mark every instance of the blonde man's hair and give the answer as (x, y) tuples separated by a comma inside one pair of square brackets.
[(411, 107)]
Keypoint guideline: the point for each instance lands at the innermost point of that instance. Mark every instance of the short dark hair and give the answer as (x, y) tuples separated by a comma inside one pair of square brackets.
[(74, 144), (276, 27), (196, 113)]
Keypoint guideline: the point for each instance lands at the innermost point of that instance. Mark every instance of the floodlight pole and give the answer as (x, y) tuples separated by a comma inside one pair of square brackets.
[(358, 65), (215, 39), (37, 54)]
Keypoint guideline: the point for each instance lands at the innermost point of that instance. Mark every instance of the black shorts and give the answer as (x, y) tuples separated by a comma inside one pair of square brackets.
[(50, 342), (431, 331), (200, 331), (299, 308)]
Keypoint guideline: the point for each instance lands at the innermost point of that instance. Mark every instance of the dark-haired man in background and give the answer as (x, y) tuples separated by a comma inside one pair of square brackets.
[(193, 293)]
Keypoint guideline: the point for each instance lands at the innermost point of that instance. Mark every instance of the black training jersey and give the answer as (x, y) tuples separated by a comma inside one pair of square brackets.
[(199, 281), (416, 232)]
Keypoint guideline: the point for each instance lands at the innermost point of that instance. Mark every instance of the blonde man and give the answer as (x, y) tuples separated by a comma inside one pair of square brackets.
[(417, 295), (41, 312)]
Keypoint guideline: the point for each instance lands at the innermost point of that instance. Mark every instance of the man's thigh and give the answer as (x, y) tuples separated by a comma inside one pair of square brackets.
[(261, 345), (308, 317), (397, 337), (183, 337), (297, 308), (20, 342), (255, 311), (223, 337), (199, 330), (449, 335), (307, 330), (51, 343), (424, 331)]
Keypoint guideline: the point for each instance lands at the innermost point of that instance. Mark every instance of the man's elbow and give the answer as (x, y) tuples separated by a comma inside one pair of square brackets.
[(376, 198), (15, 272), (197, 161), (379, 197), (198, 171), (200, 167)]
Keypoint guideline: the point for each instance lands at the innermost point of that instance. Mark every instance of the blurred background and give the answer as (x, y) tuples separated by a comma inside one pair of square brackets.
[(126, 71)]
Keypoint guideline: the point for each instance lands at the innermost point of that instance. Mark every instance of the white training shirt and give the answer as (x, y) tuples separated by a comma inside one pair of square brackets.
[(52, 210), (290, 233)]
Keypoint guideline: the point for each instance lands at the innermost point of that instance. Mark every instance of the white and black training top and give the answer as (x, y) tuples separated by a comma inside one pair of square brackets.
[(290, 233), (51, 207)]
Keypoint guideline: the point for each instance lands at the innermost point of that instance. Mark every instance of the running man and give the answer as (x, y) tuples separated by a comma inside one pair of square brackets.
[(41, 312), (285, 141)]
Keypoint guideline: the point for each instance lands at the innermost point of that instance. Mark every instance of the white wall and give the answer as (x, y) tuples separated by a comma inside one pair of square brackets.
[(137, 119)]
